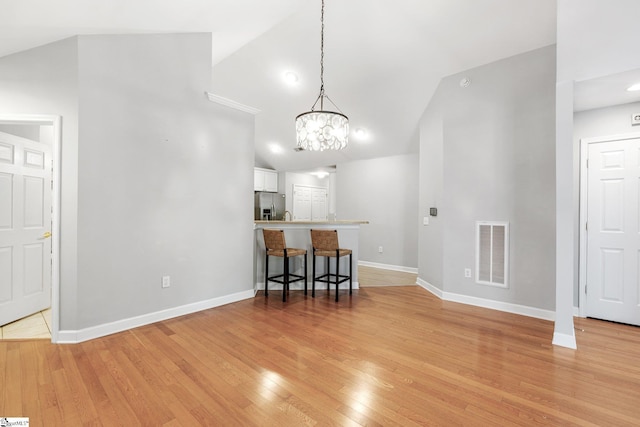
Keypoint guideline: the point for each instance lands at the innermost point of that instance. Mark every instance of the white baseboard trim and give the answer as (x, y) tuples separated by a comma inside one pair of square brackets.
[(522, 310), (299, 286), (74, 337), (388, 267), (429, 287), (564, 340)]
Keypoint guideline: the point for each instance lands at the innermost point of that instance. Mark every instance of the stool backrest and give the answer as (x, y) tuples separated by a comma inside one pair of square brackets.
[(324, 240), (274, 239)]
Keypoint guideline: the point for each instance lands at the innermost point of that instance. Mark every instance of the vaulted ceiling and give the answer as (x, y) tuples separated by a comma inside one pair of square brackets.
[(383, 59)]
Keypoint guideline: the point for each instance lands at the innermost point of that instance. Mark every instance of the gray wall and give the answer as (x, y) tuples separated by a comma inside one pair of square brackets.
[(166, 179), (497, 139), (431, 186), (160, 178), (604, 122), (595, 38), (383, 191), (31, 132)]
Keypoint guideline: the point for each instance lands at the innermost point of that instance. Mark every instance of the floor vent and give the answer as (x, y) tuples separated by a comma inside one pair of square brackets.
[(492, 253)]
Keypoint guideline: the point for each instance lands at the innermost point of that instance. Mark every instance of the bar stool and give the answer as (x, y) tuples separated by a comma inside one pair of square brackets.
[(325, 244), (275, 245)]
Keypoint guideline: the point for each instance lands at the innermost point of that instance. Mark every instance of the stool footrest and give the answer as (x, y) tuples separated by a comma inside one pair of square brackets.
[(327, 278), (292, 278)]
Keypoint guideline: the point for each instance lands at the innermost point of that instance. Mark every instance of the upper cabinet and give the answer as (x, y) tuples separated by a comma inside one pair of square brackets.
[(265, 180), (271, 181)]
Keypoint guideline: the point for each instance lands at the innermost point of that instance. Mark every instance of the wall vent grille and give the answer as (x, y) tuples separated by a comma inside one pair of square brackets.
[(492, 253)]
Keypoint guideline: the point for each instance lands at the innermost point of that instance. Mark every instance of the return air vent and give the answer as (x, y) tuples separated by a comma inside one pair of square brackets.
[(492, 253)]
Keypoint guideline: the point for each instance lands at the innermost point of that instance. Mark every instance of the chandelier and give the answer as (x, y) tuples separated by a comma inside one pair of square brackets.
[(319, 130)]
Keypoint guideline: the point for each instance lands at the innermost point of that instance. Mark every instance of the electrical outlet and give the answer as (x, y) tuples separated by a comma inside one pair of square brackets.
[(467, 272), (166, 281), (379, 249)]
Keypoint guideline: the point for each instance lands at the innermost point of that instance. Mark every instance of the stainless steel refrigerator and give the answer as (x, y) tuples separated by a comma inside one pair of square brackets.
[(269, 206)]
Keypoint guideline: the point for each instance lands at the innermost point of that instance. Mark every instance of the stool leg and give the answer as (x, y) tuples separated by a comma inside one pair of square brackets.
[(285, 285), (305, 274), (266, 275), (337, 274), (328, 270), (350, 274), (313, 275)]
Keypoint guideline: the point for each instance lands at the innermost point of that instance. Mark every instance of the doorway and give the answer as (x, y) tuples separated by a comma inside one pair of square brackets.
[(610, 228), (30, 175)]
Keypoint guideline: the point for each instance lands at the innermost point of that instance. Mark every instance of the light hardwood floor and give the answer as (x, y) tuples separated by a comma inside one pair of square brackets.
[(385, 356), (369, 277), (37, 325)]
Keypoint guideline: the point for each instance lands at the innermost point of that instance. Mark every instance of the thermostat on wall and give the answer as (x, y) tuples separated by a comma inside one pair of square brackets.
[(635, 119), (433, 211)]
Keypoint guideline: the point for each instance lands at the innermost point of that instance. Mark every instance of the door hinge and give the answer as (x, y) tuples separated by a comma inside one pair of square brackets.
[(587, 163), (585, 288), (586, 225)]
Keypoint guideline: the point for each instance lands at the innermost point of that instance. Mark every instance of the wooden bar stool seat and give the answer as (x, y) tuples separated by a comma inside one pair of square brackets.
[(275, 245), (325, 244)]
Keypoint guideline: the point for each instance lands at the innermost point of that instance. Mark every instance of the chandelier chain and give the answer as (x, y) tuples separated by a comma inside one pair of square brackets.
[(321, 53)]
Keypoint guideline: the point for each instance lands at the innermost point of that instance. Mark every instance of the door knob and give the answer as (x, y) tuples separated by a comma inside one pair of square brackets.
[(46, 235)]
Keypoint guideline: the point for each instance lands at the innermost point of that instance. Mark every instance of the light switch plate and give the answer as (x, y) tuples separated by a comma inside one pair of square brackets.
[(425, 220)]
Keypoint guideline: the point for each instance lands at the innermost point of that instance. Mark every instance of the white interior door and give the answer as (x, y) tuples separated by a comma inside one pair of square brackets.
[(319, 204), (301, 203), (25, 227), (613, 231)]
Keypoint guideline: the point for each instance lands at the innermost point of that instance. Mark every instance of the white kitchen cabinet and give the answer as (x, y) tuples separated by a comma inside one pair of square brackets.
[(258, 180), (271, 181), (265, 180)]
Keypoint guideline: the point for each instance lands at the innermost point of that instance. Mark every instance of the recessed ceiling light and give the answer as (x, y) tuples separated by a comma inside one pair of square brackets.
[(634, 87), (360, 134), (275, 148), (291, 77), (320, 174)]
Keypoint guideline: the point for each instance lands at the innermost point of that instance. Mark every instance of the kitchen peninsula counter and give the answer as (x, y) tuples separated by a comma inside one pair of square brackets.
[(297, 234), (309, 224)]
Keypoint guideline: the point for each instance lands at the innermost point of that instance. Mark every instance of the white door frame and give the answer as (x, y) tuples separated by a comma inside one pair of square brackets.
[(584, 151), (56, 122)]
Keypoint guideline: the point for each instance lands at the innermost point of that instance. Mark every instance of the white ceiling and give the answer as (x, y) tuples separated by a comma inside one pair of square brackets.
[(383, 59), (606, 91), (28, 23)]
